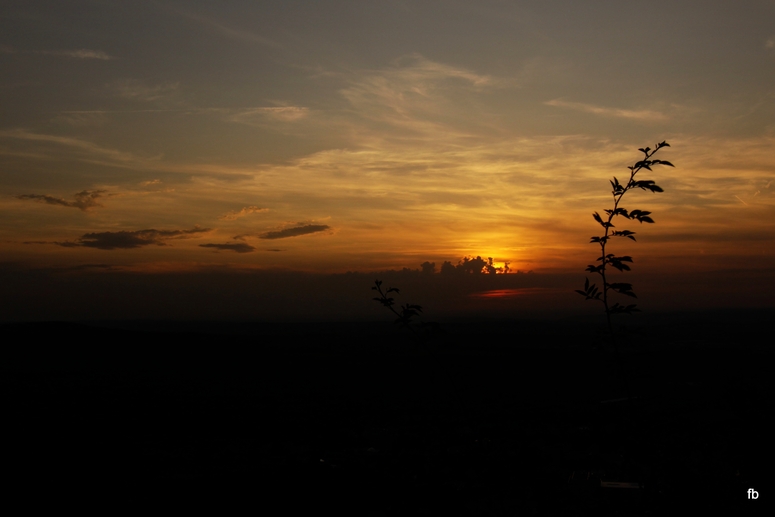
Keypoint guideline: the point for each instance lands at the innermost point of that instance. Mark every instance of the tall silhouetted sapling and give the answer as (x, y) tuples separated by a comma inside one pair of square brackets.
[(591, 291)]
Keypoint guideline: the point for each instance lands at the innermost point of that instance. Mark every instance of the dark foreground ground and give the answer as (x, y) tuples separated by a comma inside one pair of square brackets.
[(489, 418)]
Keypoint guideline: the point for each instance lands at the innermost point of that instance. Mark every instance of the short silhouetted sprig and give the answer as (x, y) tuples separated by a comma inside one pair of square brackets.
[(407, 311), (591, 291)]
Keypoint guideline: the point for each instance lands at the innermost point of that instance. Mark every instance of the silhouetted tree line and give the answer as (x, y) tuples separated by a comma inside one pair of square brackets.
[(469, 265)]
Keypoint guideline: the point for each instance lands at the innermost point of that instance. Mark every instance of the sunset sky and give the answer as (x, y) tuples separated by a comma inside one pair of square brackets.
[(160, 137)]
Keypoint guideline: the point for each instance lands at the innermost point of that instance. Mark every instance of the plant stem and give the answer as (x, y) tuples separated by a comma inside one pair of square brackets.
[(604, 241)]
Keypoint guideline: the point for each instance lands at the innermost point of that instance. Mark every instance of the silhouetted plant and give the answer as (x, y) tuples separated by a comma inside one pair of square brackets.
[(591, 291), (408, 311)]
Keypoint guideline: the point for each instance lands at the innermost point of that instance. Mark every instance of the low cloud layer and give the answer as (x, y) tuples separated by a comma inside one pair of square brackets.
[(84, 200), (295, 231), (128, 240)]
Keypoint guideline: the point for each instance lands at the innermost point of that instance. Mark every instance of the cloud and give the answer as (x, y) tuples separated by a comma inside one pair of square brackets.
[(770, 43), (78, 54), (231, 216), (417, 98), (128, 240), (295, 231), (84, 200), (251, 116), (608, 112), (407, 86), (93, 152), (226, 31), (138, 90), (239, 247)]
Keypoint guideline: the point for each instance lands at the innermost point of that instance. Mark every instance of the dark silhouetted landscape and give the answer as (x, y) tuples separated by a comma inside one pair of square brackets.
[(484, 418)]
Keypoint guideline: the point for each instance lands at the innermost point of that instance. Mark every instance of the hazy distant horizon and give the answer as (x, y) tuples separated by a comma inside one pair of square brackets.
[(220, 294)]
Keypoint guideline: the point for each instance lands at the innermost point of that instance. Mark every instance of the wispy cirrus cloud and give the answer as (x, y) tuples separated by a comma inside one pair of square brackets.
[(295, 231), (83, 200), (75, 54), (225, 30), (234, 215), (83, 146), (409, 84), (139, 90), (130, 239), (608, 112), (416, 98), (79, 54), (259, 116)]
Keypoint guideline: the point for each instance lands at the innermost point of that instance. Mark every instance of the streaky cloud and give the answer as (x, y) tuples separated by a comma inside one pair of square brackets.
[(78, 54), (226, 31), (90, 150), (607, 112), (138, 90), (253, 116), (239, 247), (233, 215), (130, 239), (84, 200), (296, 231)]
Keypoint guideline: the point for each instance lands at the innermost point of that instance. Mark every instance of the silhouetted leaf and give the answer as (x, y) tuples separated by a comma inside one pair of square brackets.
[(622, 288), (641, 215), (624, 233), (619, 309), (618, 262)]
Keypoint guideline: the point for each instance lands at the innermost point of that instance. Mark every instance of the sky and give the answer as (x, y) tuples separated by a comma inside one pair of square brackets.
[(256, 139)]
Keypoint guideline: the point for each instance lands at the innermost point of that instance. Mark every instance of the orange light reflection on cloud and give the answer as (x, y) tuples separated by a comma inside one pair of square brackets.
[(511, 293)]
